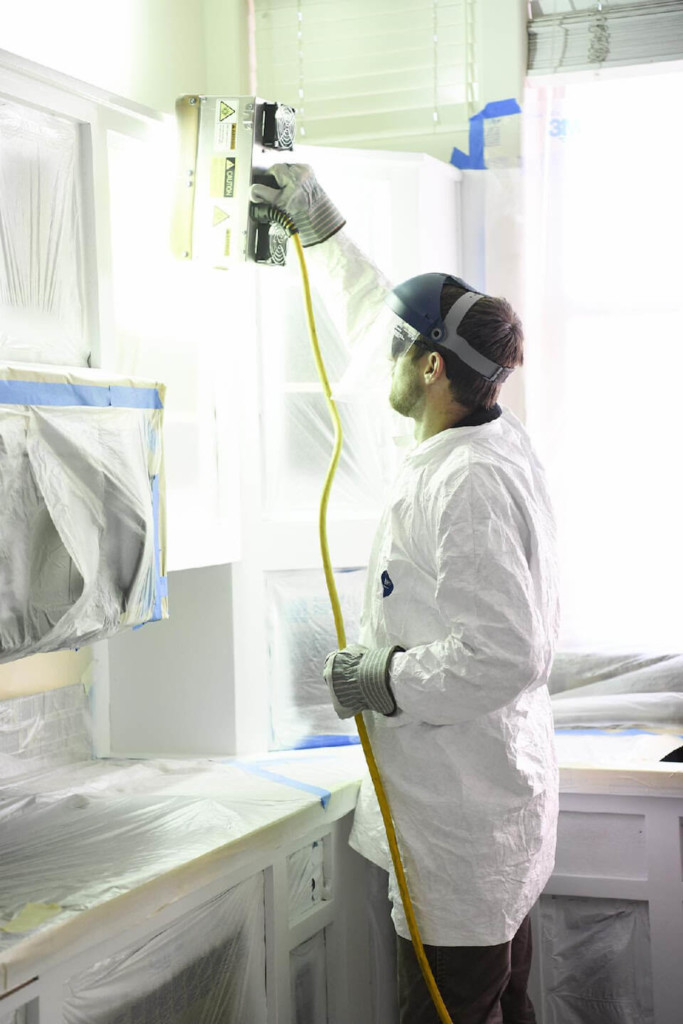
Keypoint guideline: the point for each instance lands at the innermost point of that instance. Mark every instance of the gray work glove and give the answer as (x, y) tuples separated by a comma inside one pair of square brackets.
[(302, 199), (358, 678)]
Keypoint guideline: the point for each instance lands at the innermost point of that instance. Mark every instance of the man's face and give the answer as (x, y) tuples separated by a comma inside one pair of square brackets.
[(406, 391)]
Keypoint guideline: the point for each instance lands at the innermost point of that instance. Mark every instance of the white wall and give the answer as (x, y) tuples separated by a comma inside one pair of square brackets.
[(172, 681), (149, 51)]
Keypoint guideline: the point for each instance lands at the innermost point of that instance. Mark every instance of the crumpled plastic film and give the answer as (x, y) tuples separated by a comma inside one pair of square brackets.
[(633, 710), (577, 674), (81, 508), (302, 633), (206, 968), (80, 849), (382, 946), (44, 731), (80, 834), (308, 972), (42, 308), (596, 961), (305, 880), (18, 1017), (612, 707)]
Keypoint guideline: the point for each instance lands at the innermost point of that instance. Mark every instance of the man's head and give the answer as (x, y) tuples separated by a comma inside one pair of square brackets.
[(478, 338)]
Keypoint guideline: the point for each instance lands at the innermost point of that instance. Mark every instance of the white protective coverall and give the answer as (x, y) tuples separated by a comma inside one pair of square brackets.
[(463, 576)]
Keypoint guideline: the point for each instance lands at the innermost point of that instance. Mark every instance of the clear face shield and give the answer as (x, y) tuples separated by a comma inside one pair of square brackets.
[(368, 373), (403, 338)]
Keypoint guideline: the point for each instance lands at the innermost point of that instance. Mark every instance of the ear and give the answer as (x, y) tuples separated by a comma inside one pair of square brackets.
[(435, 368)]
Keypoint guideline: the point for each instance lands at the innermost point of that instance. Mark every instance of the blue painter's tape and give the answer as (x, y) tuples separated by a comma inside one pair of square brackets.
[(158, 588), (58, 393), (160, 582), (326, 741), (474, 160), (264, 773)]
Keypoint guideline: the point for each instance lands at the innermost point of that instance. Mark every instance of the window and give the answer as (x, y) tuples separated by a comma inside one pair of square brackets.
[(604, 316)]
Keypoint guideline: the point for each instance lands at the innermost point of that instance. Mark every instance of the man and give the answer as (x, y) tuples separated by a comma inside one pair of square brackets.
[(459, 623)]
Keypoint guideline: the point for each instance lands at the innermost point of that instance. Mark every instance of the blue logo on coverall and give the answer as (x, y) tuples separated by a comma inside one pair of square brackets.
[(387, 585)]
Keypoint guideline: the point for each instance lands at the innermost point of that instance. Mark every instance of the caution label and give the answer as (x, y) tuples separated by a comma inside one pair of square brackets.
[(229, 178), (219, 216), (225, 111), (222, 179)]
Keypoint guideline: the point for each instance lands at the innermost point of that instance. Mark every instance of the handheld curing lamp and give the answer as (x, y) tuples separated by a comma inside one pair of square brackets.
[(225, 146)]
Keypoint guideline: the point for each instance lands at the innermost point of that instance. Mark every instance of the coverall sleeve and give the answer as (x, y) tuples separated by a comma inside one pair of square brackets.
[(498, 643)]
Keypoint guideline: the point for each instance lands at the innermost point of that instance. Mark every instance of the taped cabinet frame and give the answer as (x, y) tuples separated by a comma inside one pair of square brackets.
[(656, 796)]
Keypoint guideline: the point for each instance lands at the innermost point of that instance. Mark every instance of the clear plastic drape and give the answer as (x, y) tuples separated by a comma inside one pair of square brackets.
[(43, 731), (81, 509), (611, 708), (308, 967), (42, 306), (305, 880), (302, 633), (596, 961), (206, 968)]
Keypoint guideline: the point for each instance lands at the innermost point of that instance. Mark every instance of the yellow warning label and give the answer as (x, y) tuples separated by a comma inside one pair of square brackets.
[(225, 111), (229, 178), (226, 251), (219, 216)]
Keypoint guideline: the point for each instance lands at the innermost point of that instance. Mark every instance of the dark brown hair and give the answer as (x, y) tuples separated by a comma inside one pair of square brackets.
[(494, 329)]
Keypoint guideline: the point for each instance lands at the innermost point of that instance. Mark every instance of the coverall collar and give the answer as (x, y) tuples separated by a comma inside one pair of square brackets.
[(479, 416)]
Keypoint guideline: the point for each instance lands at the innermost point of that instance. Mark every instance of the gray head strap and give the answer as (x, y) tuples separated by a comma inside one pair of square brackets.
[(449, 338)]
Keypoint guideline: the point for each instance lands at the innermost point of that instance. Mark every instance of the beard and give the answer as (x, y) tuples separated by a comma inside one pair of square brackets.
[(406, 392)]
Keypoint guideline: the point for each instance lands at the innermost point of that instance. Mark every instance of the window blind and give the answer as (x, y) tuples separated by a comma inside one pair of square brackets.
[(615, 35), (364, 74)]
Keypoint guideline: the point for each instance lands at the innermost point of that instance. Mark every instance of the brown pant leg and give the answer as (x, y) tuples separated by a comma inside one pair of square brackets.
[(471, 980), (515, 1003)]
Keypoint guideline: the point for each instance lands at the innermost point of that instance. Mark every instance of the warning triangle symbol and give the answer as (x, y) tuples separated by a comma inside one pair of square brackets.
[(219, 215), (225, 111)]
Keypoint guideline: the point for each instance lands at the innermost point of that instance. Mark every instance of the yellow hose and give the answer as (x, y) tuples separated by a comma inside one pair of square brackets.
[(341, 640)]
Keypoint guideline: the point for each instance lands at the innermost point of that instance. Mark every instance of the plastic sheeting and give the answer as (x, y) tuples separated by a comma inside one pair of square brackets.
[(42, 307), (74, 837), (616, 707), (81, 507), (76, 850), (18, 1017), (44, 731), (596, 961), (599, 692), (604, 674), (305, 880), (382, 947), (308, 972), (206, 968), (302, 632)]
